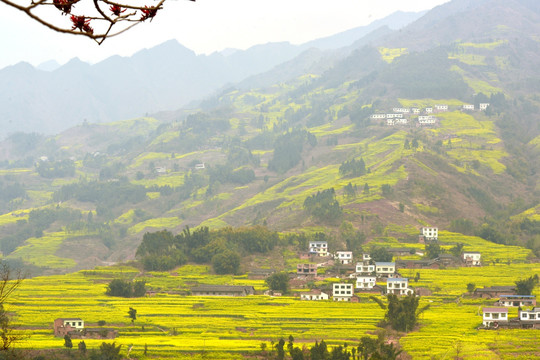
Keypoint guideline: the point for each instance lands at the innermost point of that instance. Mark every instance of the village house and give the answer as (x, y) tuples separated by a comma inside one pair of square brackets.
[(467, 107), (401, 251), (365, 282), (428, 110), (516, 300), (401, 110), (417, 264), (398, 286), (306, 269), (492, 317), (394, 116), (318, 247), (344, 257), (342, 291), (64, 326), (430, 233), (366, 257), (441, 107), (377, 116), (471, 258), (426, 120), (483, 106), (385, 269), (315, 295), (530, 319), (490, 292), (200, 166), (402, 121), (260, 274), (365, 267), (390, 122), (222, 290), (415, 110), (448, 260)]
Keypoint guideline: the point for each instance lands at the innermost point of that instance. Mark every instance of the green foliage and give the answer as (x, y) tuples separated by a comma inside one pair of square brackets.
[(127, 289), (107, 352), (462, 226), (227, 262), (132, 313), (401, 312), (55, 169), (386, 190), (82, 347), (349, 190), (9, 192), (433, 251), (324, 206), (526, 286), (353, 168), (278, 282), (67, 342), (471, 287), (288, 150), (380, 254)]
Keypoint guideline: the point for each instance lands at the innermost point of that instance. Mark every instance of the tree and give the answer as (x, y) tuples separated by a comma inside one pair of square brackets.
[(280, 350), (102, 14), (108, 352), (433, 251), (380, 254), (526, 286), (67, 341), (278, 282), (10, 280), (471, 287), (227, 262), (366, 189), (132, 313), (82, 347)]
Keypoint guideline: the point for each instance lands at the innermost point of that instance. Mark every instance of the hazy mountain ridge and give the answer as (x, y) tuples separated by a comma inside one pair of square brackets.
[(165, 77)]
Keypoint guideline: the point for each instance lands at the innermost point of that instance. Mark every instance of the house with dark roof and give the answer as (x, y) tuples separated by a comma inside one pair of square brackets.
[(489, 292), (222, 290)]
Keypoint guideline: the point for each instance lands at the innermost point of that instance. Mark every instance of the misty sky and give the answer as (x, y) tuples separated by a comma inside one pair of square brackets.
[(204, 26)]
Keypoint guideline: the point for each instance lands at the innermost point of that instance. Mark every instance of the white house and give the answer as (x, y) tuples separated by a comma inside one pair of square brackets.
[(365, 268), (385, 268), (530, 315), (483, 106), (366, 257), (471, 258), (394, 116), (377, 116), (441, 107), (390, 122), (402, 121), (398, 286), (467, 107), (517, 300), (315, 295), (426, 120), (430, 233), (401, 110), (415, 110), (318, 247), (342, 291), (494, 316), (344, 257), (428, 110), (199, 166), (365, 282)]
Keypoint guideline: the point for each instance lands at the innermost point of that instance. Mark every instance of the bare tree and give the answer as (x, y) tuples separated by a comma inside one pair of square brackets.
[(80, 17), (10, 280)]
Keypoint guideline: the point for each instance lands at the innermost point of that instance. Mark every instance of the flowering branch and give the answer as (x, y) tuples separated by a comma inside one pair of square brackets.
[(85, 15)]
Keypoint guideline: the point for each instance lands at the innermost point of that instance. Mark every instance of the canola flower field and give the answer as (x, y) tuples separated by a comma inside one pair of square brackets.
[(173, 325)]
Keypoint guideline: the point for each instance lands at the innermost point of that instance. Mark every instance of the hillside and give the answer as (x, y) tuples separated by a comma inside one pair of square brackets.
[(86, 196)]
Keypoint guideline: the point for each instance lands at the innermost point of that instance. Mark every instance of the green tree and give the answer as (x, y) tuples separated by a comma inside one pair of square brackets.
[(526, 286), (82, 347), (67, 341), (433, 251), (380, 254), (401, 312), (132, 313), (471, 287), (227, 262), (280, 349), (366, 189), (107, 352), (414, 143), (278, 282), (456, 250)]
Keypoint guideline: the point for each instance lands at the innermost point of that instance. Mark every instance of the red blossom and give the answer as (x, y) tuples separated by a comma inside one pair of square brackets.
[(116, 10), (148, 13), (81, 23)]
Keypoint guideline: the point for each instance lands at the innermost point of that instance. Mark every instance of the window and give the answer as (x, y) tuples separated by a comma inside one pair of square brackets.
[(495, 316), (524, 315)]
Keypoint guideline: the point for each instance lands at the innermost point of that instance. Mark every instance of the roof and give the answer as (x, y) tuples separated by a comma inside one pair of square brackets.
[(70, 319), (471, 252), (397, 279), (495, 310), (496, 288), (318, 242), (385, 263), (221, 288), (536, 309), (518, 296)]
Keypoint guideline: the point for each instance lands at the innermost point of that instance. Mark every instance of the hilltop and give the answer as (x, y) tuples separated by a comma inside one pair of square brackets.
[(252, 154)]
